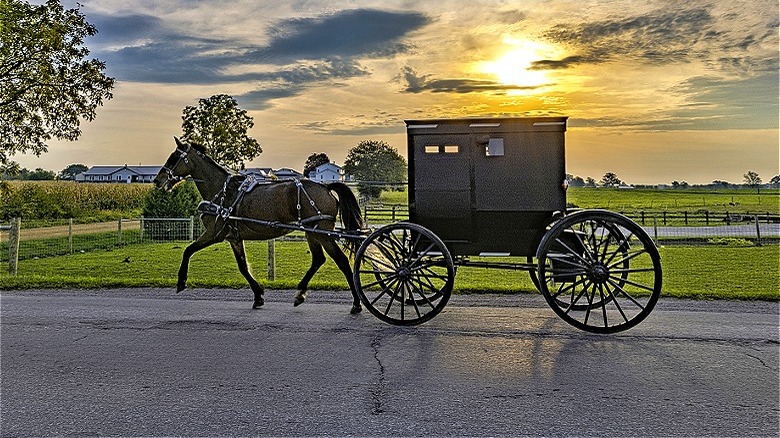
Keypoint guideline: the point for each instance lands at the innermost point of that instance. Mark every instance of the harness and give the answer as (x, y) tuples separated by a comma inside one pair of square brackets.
[(217, 207)]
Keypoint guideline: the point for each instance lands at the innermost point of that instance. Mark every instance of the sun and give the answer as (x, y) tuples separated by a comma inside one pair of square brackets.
[(515, 66)]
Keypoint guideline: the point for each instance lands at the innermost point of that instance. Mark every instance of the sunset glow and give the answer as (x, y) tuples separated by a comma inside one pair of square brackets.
[(515, 67)]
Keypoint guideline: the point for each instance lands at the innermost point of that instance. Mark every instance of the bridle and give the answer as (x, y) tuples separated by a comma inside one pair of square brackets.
[(182, 157)]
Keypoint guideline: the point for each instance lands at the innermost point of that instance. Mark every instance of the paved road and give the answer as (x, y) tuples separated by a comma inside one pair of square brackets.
[(148, 362)]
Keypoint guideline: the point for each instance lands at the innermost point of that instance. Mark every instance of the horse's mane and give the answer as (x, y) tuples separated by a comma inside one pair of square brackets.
[(204, 153)]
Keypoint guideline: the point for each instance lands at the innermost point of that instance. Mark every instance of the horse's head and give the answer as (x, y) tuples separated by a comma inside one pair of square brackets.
[(176, 168)]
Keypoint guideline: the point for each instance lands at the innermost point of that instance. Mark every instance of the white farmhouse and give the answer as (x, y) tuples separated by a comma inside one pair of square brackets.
[(326, 173)]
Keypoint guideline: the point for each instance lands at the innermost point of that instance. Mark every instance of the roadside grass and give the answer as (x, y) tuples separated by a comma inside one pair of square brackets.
[(697, 272)]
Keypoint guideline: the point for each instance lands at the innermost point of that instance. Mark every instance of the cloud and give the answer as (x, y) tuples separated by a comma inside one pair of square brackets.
[(718, 103), (665, 36), (351, 33), (419, 83), (300, 53)]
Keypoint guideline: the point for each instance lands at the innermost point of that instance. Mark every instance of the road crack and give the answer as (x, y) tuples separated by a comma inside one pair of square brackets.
[(378, 391)]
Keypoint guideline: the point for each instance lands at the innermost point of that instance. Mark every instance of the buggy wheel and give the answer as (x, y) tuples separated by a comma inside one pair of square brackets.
[(404, 274), (599, 271)]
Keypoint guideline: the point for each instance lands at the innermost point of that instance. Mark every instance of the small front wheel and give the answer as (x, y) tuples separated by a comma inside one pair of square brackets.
[(599, 271), (404, 274)]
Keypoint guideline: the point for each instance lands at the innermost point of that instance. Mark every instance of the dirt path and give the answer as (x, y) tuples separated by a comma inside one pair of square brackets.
[(62, 230)]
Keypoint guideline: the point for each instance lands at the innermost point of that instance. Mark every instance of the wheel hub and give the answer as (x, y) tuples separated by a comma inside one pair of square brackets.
[(599, 273), (403, 273)]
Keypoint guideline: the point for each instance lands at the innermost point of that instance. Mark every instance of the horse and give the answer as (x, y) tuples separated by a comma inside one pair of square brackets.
[(232, 213)]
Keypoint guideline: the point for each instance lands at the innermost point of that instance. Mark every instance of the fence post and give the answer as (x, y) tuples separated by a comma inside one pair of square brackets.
[(271, 260), (707, 217), (758, 232), (192, 228), (70, 235), (655, 230), (119, 231), (686, 217), (13, 245), (643, 217), (141, 233)]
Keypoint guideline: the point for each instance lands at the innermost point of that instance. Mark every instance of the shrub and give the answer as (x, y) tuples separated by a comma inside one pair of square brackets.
[(182, 201)]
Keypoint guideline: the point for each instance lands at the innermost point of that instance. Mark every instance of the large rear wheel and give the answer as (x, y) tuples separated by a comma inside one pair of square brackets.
[(599, 271)]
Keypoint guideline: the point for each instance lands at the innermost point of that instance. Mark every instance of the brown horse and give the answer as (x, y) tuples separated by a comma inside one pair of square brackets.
[(284, 202)]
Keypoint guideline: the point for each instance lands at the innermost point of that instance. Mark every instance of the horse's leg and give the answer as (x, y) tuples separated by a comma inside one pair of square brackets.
[(243, 267), (317, 260), (203, 241), (338, 256)]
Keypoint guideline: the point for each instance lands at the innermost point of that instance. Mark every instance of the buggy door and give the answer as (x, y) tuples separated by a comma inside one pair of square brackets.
[(442, 185)]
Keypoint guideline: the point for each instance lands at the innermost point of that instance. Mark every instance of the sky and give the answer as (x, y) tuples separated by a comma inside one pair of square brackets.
[(655, 91)]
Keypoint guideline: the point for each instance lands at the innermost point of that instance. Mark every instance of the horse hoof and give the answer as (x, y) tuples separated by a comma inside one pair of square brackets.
[(298, 301), (180, 287), (355, 310), (258, 304)]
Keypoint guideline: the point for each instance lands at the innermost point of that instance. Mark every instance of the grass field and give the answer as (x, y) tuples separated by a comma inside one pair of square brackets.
[(691, 200), (689, 271)]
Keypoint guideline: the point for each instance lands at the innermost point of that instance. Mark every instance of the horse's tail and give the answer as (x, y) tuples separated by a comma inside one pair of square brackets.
[(349, 209)]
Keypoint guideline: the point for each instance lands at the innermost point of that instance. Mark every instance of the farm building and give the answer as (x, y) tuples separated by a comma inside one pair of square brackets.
[(326, 173), (119, 174)]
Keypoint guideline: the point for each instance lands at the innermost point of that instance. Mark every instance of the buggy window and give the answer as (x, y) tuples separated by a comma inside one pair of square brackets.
[(495, 147)]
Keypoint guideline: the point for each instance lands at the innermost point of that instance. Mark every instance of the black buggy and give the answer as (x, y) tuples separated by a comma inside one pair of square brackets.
[(492, 193)]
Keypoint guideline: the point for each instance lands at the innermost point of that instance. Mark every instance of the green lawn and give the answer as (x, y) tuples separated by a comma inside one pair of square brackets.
[(691, 200), (701, 272)]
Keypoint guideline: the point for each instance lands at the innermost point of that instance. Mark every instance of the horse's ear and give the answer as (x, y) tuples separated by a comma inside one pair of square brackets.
[(179, 143)]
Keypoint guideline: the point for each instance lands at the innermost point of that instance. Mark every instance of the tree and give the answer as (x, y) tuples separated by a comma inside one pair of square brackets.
[(70, 172), (314, 161), (590, 182), (374, 163), (221, 126), (775, 181), (46, 83), (610, 180), (752, 179), (40, 175)]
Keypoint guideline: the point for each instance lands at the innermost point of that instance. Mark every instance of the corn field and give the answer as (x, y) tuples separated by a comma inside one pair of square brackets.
[(33, 200)]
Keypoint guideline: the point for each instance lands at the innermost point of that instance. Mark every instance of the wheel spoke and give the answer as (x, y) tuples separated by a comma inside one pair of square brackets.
[(383, 262), (633, 283), (565, 258), (604, 306), (616, 302), (571, 251), (628, 257), (423, 296), (623, 291), (379, 282), (590, 304), (393, 298)]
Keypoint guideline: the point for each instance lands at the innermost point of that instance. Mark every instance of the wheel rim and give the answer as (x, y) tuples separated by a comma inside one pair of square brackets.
[(404, 274), (599, 271)]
